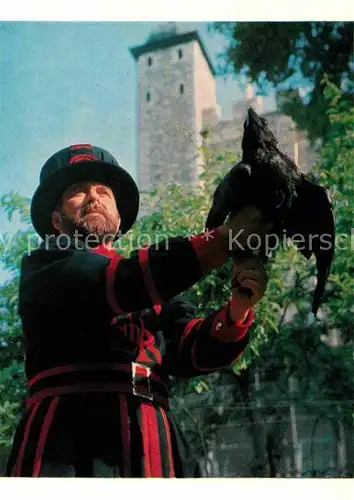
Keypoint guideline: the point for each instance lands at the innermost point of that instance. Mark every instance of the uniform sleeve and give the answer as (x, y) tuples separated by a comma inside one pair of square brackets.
[(205, 345), (155, 274), (94, 283)]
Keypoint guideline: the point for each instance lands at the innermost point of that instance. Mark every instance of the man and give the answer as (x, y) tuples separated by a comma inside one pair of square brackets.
[(103, 332)]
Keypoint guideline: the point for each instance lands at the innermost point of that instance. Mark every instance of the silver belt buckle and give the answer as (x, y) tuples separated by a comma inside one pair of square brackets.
[(147, 375)]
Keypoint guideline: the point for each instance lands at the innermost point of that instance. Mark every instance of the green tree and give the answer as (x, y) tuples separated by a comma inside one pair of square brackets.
[(290, 55), (12, 377)]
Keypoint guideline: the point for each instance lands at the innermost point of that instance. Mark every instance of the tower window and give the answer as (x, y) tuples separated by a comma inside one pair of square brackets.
[(180, 53), (148, 96), (181, 89), (149, 61)]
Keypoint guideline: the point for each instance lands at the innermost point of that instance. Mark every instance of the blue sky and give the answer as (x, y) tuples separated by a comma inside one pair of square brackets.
[(67, 82)]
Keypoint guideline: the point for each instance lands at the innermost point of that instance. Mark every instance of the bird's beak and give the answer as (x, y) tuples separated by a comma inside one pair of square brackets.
[(252, 117)]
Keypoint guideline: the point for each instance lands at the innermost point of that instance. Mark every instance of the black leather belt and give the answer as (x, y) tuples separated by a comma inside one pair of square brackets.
[(127, 378)]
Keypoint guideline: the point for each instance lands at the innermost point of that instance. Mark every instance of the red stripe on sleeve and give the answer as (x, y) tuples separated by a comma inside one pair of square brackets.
[(188, 328), (199, 240), (125, 429), (144, 264), (169, 444), (230, 335), (18, 467), (209, 249), (111, 274), (246, 323), (227, 331), (43, 435)]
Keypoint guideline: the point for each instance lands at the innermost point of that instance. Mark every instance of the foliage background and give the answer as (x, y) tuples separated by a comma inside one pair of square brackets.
[(305, 52)]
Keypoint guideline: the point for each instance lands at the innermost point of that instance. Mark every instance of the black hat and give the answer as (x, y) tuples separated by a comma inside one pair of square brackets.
[(82, 162)]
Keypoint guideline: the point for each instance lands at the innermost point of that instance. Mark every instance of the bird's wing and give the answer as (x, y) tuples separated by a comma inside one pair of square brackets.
[(230, 195), (312, 227)]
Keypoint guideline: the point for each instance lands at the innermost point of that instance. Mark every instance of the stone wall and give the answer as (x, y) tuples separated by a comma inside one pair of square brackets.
[(169, 99)]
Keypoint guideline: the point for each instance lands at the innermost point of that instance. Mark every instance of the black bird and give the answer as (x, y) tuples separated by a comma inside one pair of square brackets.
[(269, 180)]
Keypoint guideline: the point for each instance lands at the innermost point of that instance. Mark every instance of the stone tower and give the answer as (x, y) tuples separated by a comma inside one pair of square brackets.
[(176, 95)]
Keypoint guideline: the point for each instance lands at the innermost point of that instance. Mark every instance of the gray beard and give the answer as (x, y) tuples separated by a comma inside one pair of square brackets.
[(93, 228)]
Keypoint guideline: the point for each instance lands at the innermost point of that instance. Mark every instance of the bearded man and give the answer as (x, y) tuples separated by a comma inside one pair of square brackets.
[(104, 333)]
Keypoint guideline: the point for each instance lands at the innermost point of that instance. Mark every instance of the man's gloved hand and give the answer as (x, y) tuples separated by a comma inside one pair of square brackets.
[(249, 283)]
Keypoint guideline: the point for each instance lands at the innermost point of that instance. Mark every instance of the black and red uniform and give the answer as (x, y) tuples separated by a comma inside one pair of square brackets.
[(98, 366)]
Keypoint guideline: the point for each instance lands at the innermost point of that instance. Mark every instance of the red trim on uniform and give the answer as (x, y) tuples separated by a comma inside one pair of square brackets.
[(188, 328), (156, 352), (154, 441), (148, 338), (125, 433), (169, 444), (81, 146), (203, 244), (102, 250), (82, 157), (18, 466), (43, 436), (249, 317), (244, 320), (149, 283), (157, 308), (222, 331), (90, 367), (225, 331), (110, 277), (143, 358), (199, 240), (149, 344), (248, 321), (76, 368), (125, 388), (145, 436)]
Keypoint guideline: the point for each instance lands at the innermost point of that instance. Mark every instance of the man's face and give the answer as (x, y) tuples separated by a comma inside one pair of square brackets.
[(90, 208)]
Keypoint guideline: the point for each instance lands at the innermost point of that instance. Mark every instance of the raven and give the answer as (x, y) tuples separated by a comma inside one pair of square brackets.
[(269, 180)]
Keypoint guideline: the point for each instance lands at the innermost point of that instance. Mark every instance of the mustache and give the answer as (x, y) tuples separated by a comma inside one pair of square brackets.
[(90, 207)]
